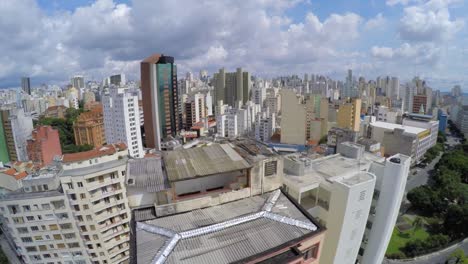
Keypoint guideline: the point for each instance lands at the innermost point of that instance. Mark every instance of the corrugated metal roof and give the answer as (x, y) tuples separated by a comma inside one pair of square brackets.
[(189, 163), (224, 233), (147, 173)]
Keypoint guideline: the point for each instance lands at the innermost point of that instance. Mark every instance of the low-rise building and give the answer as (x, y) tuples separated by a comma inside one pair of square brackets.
[(44, 145), (268, 228), (56, 111)]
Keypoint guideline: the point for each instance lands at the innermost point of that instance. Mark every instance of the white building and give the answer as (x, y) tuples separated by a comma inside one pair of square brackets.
[(233, 123), (355, 194), (122, 119), (388, 194), (336, 194), (39, 223), (22, 127), (423, 136), (264, 126), (426, 123)]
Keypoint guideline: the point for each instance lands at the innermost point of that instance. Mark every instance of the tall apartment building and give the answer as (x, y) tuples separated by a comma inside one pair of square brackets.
[(74, 211), (38, 221), (195, 110), (122, 119), (232, 87), (117, 79), (44, 145), (17, 128), (26, 85), (462, 119), (89, 129), (265, 126), (349, 115), (77, 81), (293, 119), (339, 198), (388, 194), (355, 194), (94, 184), (233, 123), (419, 104), (163, 115)]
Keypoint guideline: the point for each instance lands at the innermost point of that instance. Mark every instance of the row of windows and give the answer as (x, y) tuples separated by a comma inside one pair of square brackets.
[(59, 246)]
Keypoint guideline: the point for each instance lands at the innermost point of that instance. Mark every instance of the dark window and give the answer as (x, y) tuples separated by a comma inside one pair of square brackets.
[(312, 252)]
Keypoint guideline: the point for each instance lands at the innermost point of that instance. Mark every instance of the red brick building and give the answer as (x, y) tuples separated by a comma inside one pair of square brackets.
[(44, 145)]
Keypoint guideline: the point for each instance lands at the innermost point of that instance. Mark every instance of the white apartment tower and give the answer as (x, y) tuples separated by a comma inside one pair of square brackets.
[(388, 194), (122, 119), (264, 126)]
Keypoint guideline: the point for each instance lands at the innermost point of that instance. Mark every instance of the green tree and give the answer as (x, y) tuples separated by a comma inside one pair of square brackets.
[(456, 221), (418, 223)]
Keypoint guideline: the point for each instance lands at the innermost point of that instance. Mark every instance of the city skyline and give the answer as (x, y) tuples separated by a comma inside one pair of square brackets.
[(267, 38)]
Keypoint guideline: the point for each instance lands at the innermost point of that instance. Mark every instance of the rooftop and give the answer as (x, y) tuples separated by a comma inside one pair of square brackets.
[(202, 161), (224, 233), (147, 173), (95, 167), (94, 153), (391, 126), (333, 168)]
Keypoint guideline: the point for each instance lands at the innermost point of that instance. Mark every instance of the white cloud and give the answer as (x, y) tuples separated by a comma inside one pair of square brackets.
[(429, 22), (375, 23), (424, 53), (402, 2)]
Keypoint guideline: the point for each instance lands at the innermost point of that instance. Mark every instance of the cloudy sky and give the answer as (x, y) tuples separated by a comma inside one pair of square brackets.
[(53, 40)]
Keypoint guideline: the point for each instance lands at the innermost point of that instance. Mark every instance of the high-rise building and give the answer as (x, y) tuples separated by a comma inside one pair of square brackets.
[(232, 87), (162, 114), (74, 211), (195, 110), (78, 82), (456, 91), (419, 104), (349, 115), (89, 129), (44, 145), (118, 79), (265, 126), (26, 85), (293, 119), (122, 119), (17, 127)]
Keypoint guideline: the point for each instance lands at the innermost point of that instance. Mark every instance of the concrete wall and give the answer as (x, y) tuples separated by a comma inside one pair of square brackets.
[(202, 202), (201, 184)]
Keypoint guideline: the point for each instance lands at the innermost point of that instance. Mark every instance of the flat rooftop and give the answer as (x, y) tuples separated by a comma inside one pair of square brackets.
[(184, 164), (333, 168), (224, 233), (391, 126)]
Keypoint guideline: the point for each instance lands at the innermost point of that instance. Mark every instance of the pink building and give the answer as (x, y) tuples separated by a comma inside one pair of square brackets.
[(44, 145)]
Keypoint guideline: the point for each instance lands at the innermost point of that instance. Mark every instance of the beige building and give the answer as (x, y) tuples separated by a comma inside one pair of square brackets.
[(293, 119), (349, 115), (89, 129), (75, 211), (94, 182)]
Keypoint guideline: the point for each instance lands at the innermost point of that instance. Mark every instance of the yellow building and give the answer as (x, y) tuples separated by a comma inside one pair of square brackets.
[(349, 115)]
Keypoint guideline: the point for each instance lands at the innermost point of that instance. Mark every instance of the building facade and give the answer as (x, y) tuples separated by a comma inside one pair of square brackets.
[(122, 119), (44, 145), (161, 108), (89, 129)]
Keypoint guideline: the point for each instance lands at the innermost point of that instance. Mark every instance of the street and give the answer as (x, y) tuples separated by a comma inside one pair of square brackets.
[(435, 258)]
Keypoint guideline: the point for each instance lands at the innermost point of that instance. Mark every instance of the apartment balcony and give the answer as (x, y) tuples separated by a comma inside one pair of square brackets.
[(103, 194), (106, 215), (111, 234), (113, 246), (103, 205), (106, 227), (114, 241), (122, 259), (99, 184), (116, 251)]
